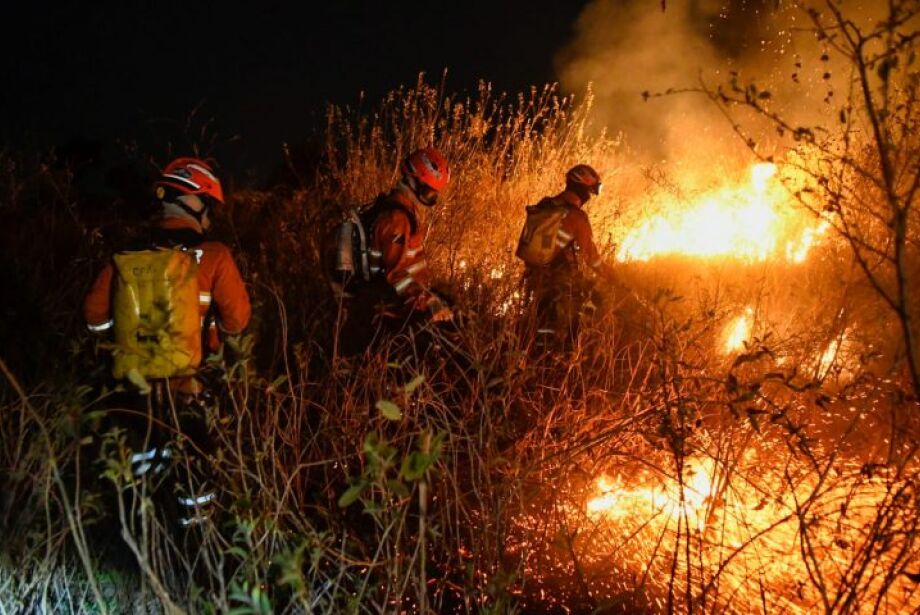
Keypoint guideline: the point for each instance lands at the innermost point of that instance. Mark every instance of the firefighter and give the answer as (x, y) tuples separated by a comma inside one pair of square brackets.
[(398, 292), (558, 248), (205, 299)]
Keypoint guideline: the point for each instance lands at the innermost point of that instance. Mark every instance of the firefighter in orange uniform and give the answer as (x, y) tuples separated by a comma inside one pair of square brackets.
[(188, 191), (398, 292), (557, 247)]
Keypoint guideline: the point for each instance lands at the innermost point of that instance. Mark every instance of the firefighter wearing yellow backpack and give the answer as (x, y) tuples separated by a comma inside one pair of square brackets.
[(556, 245), (165, 301)]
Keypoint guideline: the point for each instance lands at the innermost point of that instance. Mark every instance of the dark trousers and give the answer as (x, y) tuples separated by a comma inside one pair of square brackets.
[(557, 298), (170, 448), (373, 313)]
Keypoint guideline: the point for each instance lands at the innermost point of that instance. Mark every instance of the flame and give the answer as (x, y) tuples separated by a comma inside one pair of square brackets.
[(797, 251), (747, 222), (738, 331), (616, 500), (836, 355)]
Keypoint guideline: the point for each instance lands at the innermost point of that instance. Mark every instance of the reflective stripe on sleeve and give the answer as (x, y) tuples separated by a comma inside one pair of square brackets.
[(204, 298), (403, 284), (101, 327), (416, 267), (563, 239)]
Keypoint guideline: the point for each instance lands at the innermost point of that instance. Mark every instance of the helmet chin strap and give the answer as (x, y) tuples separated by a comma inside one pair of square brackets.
[(407, 184)]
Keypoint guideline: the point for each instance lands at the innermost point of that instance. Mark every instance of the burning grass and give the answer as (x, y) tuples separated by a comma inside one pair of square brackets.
[(752, 220), (730, 433)]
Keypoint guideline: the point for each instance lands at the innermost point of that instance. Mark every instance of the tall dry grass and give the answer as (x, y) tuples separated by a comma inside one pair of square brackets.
[(458, 479)]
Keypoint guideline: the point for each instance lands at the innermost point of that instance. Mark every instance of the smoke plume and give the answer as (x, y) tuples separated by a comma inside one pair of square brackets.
[(626, 47)]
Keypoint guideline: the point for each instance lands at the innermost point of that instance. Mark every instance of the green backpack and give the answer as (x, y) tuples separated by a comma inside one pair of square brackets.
[(538, 244)]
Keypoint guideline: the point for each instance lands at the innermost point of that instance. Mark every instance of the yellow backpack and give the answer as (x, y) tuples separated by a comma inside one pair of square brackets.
[(155, 307), (538, 244)]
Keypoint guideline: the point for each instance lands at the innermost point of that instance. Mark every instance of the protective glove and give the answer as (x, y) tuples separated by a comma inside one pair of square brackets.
[(439, 310), (443, 315)]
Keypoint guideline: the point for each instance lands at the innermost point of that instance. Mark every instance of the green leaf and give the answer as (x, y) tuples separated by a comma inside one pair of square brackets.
[(139, 381), (398, 487), (414, 383), (415, 465), (237, 551), (437, 444), (389, 410), (351, 495)]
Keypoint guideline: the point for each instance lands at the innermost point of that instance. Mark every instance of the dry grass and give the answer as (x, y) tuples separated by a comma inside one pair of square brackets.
[(475, 497)]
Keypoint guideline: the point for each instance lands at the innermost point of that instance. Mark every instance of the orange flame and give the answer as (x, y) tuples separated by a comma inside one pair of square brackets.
[(738, 331), (747, 222), (618, 500)]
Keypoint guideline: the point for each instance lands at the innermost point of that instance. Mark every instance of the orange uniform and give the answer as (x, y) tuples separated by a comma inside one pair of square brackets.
[(575, 236), (219, 282), (397, 250), (559, 290)]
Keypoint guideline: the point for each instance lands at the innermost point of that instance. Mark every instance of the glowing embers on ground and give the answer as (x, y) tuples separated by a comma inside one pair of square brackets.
[(733, 537), (754, 221)]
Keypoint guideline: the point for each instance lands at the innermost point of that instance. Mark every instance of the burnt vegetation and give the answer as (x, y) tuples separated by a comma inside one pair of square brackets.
[(656, 467)]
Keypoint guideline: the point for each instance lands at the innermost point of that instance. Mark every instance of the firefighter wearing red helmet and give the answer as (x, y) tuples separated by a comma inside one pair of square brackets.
[(557, 245), (165, 302), (187, 191), (398, 290)]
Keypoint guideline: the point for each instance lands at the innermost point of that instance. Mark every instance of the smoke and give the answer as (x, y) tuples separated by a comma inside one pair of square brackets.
[(626, 47)]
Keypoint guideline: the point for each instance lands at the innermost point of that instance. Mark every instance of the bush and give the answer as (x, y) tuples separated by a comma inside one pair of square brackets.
[(643, 470)]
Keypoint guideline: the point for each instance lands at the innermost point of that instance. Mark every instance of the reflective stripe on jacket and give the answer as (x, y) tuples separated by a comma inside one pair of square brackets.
[(397, 245), (575, 231)]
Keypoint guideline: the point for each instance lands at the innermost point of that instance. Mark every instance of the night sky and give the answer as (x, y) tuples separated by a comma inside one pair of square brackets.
[(103, 72)]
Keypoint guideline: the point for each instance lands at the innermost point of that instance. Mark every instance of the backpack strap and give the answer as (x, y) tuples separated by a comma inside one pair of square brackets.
[(382, 205)]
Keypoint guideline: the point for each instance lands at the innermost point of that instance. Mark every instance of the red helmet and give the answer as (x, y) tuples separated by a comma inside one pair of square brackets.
[(428, 173), (581, 177), (189, 176)]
